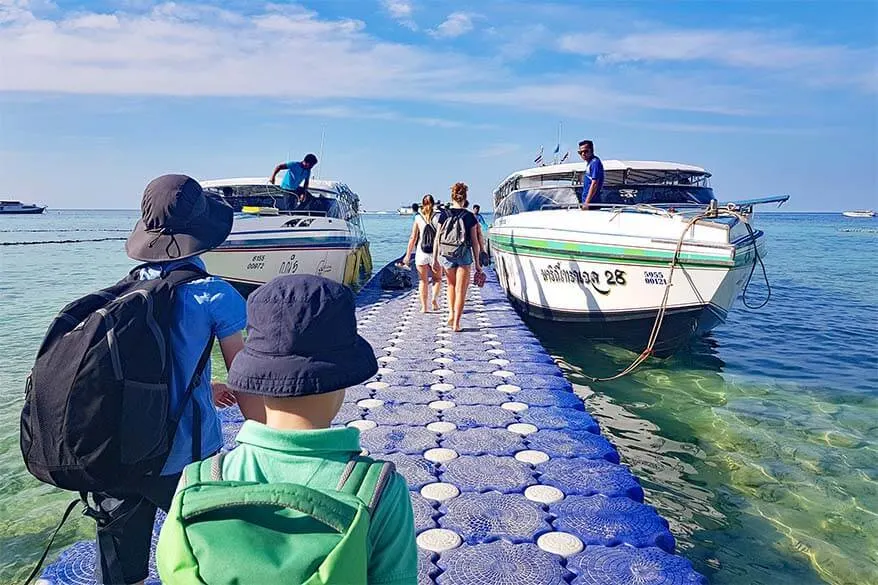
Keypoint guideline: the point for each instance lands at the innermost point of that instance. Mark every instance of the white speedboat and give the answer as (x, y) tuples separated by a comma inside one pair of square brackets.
[(405, 210), (859, 213), (275, 234), (608, 267), (19, 208)]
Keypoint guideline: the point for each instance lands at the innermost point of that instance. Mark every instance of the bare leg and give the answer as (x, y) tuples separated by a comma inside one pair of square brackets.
[(437, 287), (423, 285), (461, 284), (451, 276)]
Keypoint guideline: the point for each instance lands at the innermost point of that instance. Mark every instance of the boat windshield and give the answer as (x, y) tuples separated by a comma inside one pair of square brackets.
[(342, 204)]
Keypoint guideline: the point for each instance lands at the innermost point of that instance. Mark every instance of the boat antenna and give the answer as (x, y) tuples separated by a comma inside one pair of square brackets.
[(557, 146), (322, 141)]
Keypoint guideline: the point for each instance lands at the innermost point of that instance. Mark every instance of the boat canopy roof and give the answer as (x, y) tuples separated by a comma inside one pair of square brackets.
[(248, 185), (643, 172)]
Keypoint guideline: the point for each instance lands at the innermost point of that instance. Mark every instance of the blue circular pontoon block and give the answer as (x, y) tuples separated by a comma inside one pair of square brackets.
[(590, 476), (410, 394), (559, 418), (625, 565), (541, 381), (416, 470), (230, 433), (423, 511), (610, 521), (482, 441), (477, 366), (230, 414), (469, 396), (487, 472), (349, 411), (426, 568), (75, 566), (573, 443), (402, 414), (418, 375), (500, 563), (520, 367), (549, 397), (472, 380), (398, 438), (358, 392), (483, 517), (467, 417)]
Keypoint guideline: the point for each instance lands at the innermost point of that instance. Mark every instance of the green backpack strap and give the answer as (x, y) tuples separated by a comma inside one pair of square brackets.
[(366, 479)]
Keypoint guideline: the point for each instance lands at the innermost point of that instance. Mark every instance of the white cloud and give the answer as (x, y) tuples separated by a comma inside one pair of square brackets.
[(371, 113), (455, 25), (502, 149), (401, 11), (754, 50)]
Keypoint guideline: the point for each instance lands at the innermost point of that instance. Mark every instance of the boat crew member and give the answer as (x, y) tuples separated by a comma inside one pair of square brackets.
[(297, 177), (483, 233), (593, 178)]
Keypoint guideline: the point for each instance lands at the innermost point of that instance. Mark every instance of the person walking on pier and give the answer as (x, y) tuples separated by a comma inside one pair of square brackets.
[(422, 241), (457, 250)]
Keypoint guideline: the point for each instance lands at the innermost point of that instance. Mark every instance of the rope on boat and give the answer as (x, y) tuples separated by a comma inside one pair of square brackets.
[(37, 242), (711, 213)]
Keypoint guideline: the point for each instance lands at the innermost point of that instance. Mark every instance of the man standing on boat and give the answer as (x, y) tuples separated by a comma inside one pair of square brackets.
[(593, 178), (297, 177)]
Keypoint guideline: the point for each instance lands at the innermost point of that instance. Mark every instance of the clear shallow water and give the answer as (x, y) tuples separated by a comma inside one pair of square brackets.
[(760, 444)]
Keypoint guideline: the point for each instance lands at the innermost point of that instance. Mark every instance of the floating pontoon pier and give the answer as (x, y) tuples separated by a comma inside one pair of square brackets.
[(510, 480)]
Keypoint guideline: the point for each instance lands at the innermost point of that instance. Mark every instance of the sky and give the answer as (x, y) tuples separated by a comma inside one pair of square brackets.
[(411, 96)]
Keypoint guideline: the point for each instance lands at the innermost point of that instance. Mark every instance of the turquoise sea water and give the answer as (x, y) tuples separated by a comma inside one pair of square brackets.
[(759, 444)]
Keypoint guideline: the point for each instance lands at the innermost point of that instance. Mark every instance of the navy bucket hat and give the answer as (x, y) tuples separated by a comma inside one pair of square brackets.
[(301, 340)]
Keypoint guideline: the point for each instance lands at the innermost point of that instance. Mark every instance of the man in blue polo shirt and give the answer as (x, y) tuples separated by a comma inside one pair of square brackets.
[(298, 175), (593, 178)]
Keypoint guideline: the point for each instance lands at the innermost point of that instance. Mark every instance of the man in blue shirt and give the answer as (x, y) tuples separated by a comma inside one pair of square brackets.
[(179, 223), (593, 178), (298, 174)]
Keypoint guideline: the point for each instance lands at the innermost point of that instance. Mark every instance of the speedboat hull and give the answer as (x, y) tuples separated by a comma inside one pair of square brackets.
[(598, 270), (261, 248)]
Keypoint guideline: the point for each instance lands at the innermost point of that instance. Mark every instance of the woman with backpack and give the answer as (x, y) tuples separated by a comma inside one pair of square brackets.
[(422, 242), (457, 250)]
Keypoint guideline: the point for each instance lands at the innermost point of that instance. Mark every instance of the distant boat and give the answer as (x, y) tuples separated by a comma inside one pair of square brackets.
[(405, 210), (859, 213), (17, 207)]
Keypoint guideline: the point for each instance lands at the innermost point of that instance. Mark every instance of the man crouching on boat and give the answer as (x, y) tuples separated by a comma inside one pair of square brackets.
[(593, 178)]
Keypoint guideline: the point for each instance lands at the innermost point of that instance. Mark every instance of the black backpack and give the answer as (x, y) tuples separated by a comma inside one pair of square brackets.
[(453, 237), (395, 277), (96, 413), (428, 237)]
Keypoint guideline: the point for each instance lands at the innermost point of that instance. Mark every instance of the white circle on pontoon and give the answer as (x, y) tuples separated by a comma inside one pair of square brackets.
[(532, 456), (443, 342), (443, 350), (370, 403), (494, 343), (377, 385), (523, 429), (441, 404), (499, 362), (490, 335), (443, 335), (544, 494), (440, 491), (509, 388), (443, 328), (440, 455), (386, 370), (438, 540), (442, 372), (363, 425), (503, 374), (442, 387), (496, 351), (387, 358), (443, 360), (514, 406), (560, 543), (390, 349), (441, 426)]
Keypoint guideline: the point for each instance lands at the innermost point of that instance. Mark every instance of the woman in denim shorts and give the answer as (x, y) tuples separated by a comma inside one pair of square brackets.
[(457, 268)]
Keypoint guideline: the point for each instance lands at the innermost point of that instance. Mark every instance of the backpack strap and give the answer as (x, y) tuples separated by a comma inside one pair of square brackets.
[(366, 478)]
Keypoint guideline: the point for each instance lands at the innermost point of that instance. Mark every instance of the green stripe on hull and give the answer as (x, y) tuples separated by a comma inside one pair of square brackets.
[(565, 250)]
